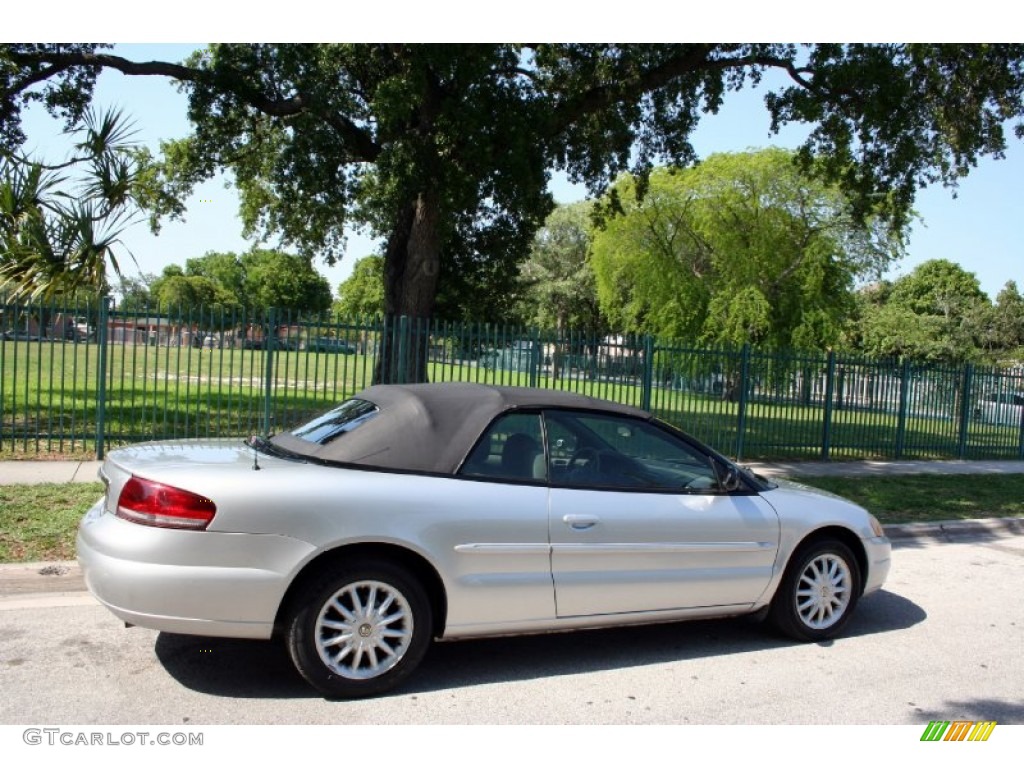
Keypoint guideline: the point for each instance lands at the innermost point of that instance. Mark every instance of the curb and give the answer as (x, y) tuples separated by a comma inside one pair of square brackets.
[(950, 529), (22, 580)]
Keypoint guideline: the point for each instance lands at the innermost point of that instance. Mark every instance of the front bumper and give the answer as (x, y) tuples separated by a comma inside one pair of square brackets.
[(879, 559), (187, 582)]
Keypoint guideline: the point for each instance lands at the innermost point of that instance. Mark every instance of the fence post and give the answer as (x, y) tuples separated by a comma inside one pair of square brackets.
[(402, 361), (741, 415), (1020, 436), (4, 309), (647, 382), (826, 430), (901, 423), (965, 410), (101, 376), (536, 358), (268, 378)]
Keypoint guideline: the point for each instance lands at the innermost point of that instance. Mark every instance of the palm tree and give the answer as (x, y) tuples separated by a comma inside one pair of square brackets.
[(60, 224)]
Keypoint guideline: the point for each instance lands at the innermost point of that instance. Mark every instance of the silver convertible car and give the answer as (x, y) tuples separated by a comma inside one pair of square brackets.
[(447, 511)]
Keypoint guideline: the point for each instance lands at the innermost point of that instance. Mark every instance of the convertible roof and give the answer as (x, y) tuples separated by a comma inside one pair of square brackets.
[(433, 427)]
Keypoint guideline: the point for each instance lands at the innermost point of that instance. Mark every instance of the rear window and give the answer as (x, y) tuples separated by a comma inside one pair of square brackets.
[(336, 422)]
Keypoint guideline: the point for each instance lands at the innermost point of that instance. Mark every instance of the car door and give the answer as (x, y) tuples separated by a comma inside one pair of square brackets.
[(638, 521), (500, 569)]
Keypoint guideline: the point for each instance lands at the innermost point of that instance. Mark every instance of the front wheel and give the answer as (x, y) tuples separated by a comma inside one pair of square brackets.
[(818, 592), (363, 630)]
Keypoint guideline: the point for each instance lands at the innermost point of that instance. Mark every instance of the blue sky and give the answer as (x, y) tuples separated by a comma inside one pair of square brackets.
[(981, 228)]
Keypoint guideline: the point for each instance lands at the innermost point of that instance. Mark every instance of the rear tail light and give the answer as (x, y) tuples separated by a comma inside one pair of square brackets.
[(164, 506)]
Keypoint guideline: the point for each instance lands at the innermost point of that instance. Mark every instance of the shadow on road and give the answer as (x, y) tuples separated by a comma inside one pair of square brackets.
[(257, 669), (235, 668), (1003, 712)]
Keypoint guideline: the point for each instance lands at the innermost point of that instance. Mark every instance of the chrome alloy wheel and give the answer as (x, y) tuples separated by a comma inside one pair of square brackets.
[(824, 591), (364, 629)]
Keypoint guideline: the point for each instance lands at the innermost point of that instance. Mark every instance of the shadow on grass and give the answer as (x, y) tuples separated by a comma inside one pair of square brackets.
[(257, 669)]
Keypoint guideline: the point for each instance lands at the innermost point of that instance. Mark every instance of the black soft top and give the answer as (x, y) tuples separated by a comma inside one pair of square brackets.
[(432, 427)]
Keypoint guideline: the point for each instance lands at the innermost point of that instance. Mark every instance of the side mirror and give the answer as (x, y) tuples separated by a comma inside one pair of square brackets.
[(728, 478)]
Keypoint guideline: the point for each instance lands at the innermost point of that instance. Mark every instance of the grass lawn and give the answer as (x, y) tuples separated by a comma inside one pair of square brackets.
[(48, 404), (38, 522), (927, 498)]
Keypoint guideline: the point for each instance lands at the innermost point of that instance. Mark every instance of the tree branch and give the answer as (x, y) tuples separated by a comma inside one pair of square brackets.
[(44, 73), (360, 142), (697, 59)]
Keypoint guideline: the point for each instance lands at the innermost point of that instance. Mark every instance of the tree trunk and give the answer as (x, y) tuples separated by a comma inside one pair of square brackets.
[(411, 266)]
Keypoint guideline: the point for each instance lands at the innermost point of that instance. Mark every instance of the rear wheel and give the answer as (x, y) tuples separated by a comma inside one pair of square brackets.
[(362, 631), (818, 592)]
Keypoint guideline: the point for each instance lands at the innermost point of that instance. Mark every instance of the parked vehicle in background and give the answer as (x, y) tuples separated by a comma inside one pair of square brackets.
[(1001, 408), (336, 346), (21, 336), (83, 330)]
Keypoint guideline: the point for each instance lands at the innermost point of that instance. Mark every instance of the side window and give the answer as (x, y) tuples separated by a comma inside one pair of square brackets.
[(614, 452), (511, 449)]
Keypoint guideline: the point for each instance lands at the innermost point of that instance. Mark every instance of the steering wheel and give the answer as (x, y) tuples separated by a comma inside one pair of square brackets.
[(587, 454)]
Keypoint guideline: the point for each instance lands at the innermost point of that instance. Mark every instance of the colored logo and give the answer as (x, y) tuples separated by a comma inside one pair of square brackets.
[(958, 730)]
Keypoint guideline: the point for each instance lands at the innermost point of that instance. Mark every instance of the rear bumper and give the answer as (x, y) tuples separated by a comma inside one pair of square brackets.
[(188, 582)]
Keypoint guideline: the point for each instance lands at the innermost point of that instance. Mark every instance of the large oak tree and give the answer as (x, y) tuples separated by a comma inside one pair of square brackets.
[(446, 150)]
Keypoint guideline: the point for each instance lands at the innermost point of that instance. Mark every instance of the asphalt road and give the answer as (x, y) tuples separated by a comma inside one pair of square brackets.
[(944, 640)]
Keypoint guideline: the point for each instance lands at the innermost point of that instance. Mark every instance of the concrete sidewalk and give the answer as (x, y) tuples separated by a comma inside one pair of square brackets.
[(31, 472), (34, 472)]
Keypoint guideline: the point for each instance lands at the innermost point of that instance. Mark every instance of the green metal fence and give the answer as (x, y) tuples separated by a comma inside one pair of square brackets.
[(78, 380)]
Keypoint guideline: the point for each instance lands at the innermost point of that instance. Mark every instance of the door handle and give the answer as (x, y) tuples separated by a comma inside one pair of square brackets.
[(580, 522)]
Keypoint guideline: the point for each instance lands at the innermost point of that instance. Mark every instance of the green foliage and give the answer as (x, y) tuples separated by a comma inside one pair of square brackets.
[(284, 281), (362, 294), (741, 248), (134, 293), (891, 118), (474, 287), (225, 269), (445, 151), (65, 92), (558, 282), (255, 281), (936, 313), (60, 225), (174, 292), (1008, 321), (940, 288)]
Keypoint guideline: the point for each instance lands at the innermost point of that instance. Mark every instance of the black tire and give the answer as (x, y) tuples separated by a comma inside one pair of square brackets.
[(375, 614), (818, 593)]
